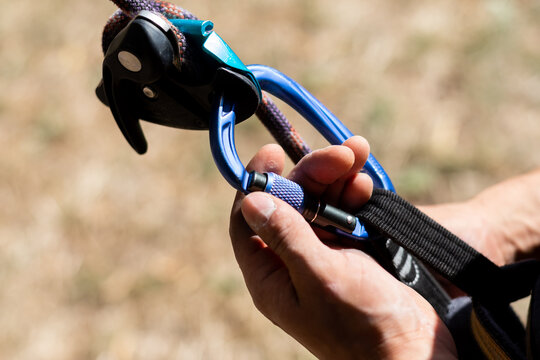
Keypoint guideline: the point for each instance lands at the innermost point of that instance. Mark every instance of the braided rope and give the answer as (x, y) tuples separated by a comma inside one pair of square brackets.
[(282, 130), (171, 11), (268, 113), (128, 9), (133, 7), (115, 24)]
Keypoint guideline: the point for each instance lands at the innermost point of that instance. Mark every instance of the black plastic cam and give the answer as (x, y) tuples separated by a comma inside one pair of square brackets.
[(183, 90)]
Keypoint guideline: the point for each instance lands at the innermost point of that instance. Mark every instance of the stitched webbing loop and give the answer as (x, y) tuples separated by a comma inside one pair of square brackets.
[(389, 214)]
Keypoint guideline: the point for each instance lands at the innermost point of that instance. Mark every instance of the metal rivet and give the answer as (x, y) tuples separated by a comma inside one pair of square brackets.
[(350, 219), (151, 94), (129, 61)]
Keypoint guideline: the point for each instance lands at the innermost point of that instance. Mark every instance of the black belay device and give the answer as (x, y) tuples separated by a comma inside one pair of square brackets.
[(159, 91)]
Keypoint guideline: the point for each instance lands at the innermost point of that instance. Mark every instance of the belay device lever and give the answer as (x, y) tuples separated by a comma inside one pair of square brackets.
[(144, 78)]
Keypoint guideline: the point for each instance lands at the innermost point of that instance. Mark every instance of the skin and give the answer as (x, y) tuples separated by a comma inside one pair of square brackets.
[(339, 303), (502, 222)]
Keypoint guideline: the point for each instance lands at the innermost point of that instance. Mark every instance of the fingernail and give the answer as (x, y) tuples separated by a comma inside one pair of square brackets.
[(261, 207)]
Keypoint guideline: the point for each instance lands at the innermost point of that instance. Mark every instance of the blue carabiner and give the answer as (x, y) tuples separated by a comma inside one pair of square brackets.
[(166, 97), (223, 147), (281, 86)]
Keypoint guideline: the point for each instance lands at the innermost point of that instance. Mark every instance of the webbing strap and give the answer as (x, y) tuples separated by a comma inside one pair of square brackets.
[(410, 271), (533, 326), (489, 346), (498, 332), (395, 218)]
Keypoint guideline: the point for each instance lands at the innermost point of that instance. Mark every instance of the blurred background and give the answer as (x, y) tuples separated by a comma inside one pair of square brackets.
[(105, 254)]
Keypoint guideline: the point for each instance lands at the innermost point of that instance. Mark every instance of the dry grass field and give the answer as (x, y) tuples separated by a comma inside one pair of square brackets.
[(108, 255)]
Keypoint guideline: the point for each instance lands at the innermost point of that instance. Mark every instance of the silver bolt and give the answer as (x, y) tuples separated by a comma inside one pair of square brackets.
[(151, 94), (350, 219), (129, 61)]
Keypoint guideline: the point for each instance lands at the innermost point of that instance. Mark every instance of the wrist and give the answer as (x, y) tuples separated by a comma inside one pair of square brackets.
[(486, 231), (510, 211), (469, 221), (423, 349), (502, 222), (491, 235), (431, 339), (414, 333)]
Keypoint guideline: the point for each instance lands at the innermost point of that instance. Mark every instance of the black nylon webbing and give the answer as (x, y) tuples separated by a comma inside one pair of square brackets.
[(395, 218), (410, 271)]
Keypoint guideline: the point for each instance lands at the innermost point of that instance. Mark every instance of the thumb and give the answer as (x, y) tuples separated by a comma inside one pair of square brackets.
[(284, 230)]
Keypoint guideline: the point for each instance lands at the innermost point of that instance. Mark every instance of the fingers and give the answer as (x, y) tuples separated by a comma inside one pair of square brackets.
[(332, 173), (286, 232), (269, 158), (356, 192), (360, 148), (333, 170), (322, 167)]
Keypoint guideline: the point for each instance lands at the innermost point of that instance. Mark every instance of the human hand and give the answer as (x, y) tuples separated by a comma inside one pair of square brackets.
[(339, 303)]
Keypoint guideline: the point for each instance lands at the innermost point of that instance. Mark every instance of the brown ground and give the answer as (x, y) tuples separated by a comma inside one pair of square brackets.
[(108, 255)]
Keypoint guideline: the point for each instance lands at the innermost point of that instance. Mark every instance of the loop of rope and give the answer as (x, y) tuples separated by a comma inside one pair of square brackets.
[(128, 9), (132, 7)]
